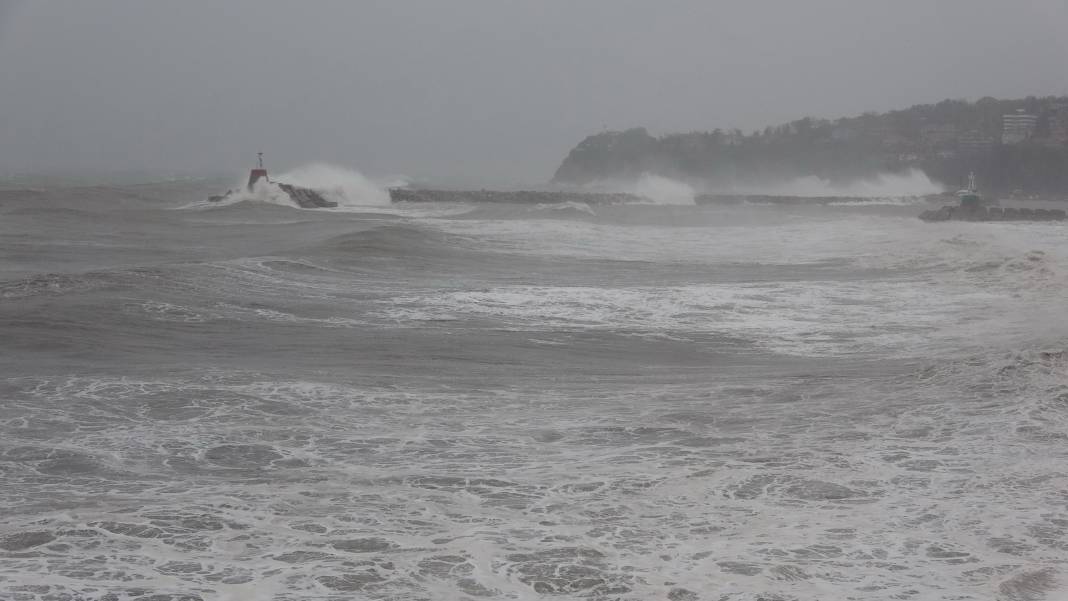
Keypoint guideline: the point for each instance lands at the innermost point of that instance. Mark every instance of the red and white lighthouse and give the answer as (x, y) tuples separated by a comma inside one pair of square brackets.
[(256, 174)]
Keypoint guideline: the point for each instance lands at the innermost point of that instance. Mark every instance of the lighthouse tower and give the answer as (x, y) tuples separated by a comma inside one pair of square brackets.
[(256, 174)]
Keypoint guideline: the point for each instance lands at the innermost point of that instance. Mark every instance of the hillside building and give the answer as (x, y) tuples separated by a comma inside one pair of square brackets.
[(1017, 127)]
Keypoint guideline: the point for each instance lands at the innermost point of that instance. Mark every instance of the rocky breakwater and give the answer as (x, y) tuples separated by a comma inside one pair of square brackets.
[(960, 213), (304, 198), (512, 197), (782, 199)]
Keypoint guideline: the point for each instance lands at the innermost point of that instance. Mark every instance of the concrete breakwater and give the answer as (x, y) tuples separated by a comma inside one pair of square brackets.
[(597, 198), (958, 213), (304, 198), (782, 199), (516, 197), (307, 198)]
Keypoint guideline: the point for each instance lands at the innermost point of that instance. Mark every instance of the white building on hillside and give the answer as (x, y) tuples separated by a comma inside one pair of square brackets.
[(1017, 127)]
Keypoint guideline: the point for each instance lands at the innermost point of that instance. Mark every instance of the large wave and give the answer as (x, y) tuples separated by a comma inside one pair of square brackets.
[(654, 188), (347, 187)]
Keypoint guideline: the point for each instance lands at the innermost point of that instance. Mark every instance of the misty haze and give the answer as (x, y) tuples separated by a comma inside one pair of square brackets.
[(600, 300)]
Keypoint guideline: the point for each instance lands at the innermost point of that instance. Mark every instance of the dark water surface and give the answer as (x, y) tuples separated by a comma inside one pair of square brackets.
[(459, 401)]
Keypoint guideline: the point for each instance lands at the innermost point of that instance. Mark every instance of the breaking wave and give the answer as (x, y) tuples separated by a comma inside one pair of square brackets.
[(346, 187), (656, 189), (912, 183)]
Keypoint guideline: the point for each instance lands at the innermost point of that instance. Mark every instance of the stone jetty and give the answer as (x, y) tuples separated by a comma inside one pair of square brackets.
[(980, 213)]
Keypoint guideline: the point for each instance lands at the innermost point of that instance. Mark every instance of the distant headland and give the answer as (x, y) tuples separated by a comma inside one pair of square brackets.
[(1015, 146)]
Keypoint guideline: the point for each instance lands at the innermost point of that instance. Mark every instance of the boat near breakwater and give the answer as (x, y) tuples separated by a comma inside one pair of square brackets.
[(973, 207)]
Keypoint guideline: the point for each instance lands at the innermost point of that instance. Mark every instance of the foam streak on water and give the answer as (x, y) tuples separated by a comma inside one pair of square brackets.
[(643, 402)]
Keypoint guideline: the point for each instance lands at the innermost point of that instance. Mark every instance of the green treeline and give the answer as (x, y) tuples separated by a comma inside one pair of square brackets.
[(945, 140)]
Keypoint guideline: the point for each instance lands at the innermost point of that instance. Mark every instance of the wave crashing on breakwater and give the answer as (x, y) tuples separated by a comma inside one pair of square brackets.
[(511, 197), (427, 195)]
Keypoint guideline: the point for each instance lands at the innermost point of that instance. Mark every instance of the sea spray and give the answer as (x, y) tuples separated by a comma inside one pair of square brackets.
[(344, 186), (656, 189), (262, 191), (884, 185), (663, 190)]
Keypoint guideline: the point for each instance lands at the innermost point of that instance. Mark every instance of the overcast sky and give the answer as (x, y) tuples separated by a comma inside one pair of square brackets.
[(478, 90)]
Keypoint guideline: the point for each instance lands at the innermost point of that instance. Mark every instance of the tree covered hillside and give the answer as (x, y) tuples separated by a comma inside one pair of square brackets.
[(1012, 145)]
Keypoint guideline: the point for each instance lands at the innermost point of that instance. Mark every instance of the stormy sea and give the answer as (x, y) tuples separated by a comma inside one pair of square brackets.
[(467, 400)]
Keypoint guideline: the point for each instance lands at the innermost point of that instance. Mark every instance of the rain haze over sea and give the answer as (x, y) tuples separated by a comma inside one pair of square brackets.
[(670, 397)]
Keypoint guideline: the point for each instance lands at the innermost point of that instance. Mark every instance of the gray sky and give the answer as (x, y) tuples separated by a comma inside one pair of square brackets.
[(478, 90)]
